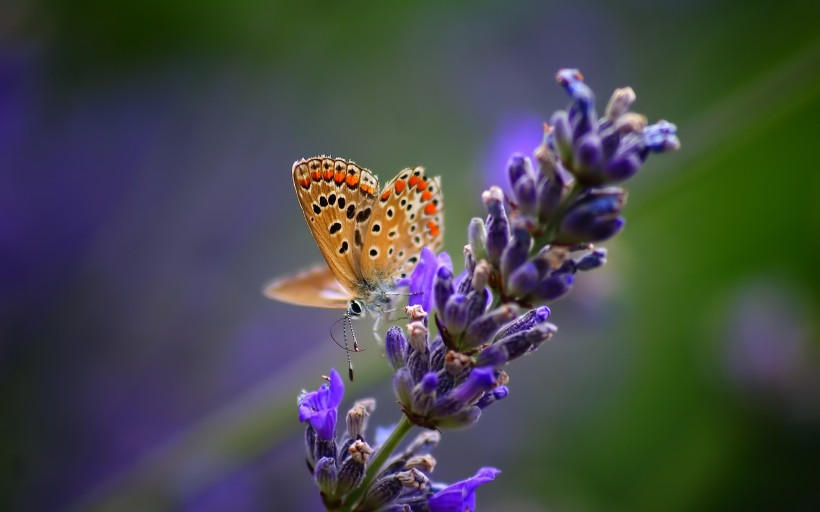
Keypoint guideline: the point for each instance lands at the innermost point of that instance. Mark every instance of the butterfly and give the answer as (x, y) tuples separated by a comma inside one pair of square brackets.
[(368, 237)]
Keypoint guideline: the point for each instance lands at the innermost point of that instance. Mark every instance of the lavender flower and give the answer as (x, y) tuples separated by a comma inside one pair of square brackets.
[(461, 495), (526, 251), (319, 408)]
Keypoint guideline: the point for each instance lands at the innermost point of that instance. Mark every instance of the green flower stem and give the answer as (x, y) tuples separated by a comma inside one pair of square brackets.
[(376, 463), (555, 221)]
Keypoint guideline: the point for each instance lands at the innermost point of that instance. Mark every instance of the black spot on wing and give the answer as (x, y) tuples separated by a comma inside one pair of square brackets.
[(363, 215)]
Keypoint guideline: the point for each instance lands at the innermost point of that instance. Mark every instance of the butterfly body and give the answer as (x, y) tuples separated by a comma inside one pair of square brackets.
[(367, 236)]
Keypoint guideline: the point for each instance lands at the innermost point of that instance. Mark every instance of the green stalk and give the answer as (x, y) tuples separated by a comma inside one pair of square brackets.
[(376, 463), (555, 221)]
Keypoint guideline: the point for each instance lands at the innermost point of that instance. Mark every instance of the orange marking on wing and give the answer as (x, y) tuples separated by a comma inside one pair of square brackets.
[(421, 185), (400, 186), (352, 180), (385, 195), (434, 229), (305, 182), (328, 174), (412, 181), (430, 209), (426, 196), (316, 175), (339, 177)]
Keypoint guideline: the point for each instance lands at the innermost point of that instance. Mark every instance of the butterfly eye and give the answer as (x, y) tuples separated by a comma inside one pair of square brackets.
[(355, 308)]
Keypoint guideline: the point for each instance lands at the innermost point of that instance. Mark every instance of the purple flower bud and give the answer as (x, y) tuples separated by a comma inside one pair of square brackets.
[(325, 475), (518, 166), (493, 396), (476, 303), (588, 158), (466, 393), (418, 359), (465, 279), (573, 81), (424, 394), (661, 137), (606, 229), (526, 195), (384, 491), (395, 347), (591, 216), (455, 314), (562, 135), (403, 386), (492, 357), (429, 383), (592, 260), (622, 166), (442, 287), (523, 280), (515, 254), (483, 328), (525, 322), (498, 231), (550, 192), (522, 342), (351, 471), (554, 287)]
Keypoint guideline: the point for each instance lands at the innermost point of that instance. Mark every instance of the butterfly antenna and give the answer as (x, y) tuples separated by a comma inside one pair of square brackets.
[(353, 335), (346, 320)]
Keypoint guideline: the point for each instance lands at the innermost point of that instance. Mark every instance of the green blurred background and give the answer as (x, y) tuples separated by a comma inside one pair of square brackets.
[(145, 152)]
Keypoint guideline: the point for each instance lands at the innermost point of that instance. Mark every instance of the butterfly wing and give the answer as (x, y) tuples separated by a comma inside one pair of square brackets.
[(406, 217), (316, 287), (337, 199)]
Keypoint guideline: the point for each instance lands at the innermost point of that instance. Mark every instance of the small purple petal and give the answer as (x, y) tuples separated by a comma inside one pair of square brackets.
[(461, 495)]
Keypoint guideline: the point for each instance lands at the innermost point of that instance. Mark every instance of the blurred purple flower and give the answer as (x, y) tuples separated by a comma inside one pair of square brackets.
[(518, 132), (461, 495), (319, 407)]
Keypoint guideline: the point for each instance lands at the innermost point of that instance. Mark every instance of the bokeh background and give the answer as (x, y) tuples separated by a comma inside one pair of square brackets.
[(145, 197)]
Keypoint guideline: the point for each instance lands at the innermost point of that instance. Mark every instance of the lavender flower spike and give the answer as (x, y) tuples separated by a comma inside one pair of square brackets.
[(320, 407), (461, 495)]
